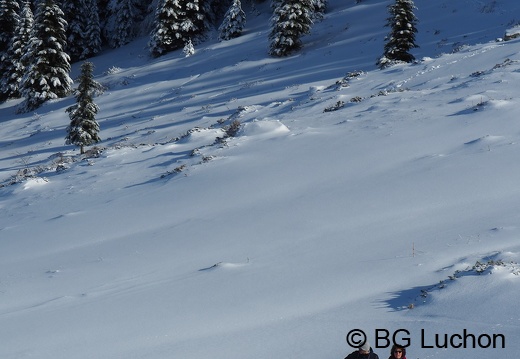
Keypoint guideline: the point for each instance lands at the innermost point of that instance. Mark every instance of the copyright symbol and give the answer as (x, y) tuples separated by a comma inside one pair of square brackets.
[(356, 338)]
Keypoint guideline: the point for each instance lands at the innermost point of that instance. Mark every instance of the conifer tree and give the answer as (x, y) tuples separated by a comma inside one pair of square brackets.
[(217, 10), (92, 30), (124, 23), (234, 22), (275, 4), (47, 75), (176, 22), (196, 20), (84, 129), (83, 28), (9, 18), (75, 15), (401, 39), (320, 6), (166, 37), (104, 16), (188, 49), (291, 20), (12, 76)]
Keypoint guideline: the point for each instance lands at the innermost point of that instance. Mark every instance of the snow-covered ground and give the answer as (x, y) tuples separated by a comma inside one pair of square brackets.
[(276, 243)]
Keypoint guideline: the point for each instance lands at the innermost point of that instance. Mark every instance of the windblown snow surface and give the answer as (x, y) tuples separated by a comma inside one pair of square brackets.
[(350, 197)]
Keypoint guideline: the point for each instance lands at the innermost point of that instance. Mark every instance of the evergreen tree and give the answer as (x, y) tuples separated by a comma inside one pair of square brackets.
[(218, 9), (9, 18), (291, 20), (12, 76), (401, 39), (320, 6), (84, 129), (92, 30), (74, 12), (234, 21), (208, 16), (188, 49), (275, 4), (124, 29), (176, 22), (141, 9), (196, 20), (166, 37), (83, 28), (104, 17), (47, 75)]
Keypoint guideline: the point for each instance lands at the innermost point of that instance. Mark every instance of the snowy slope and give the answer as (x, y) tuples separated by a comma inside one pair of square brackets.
[(308, 224)]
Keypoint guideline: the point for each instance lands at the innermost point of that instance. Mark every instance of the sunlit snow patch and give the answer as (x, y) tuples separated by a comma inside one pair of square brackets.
[(35, 182), (264, 129)]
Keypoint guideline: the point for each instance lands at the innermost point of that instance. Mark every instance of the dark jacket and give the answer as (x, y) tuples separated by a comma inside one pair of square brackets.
[(357, 355)]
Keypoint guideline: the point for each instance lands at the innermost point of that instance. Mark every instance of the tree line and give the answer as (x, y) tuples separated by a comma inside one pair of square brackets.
[(39, 39)]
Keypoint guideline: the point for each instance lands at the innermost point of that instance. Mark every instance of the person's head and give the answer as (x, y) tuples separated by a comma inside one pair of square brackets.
[(365, 348), (398, 351)]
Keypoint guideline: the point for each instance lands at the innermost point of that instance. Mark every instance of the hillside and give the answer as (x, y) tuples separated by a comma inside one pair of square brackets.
[(397, 211)]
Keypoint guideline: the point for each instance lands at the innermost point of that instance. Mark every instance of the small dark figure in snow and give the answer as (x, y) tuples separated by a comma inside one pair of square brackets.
[(397, 352), (363, 352)]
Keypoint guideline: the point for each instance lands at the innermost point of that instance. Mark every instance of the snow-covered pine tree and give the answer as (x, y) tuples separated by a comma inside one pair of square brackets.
[(234, 21), (83, 28), (92, 30), (141, 9), (9, 18), (401, 39), (124, 25), (188, 49), (320, 6), (84, 129), (165, 36), (291, 20), (11, 78), (47, 76), (275, 4), (76, 17), (104, 15), (217, 11), (196, 20), (176, 22)]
